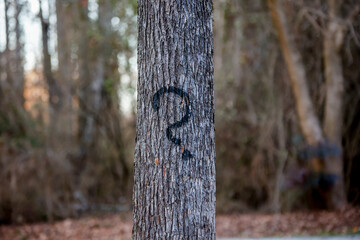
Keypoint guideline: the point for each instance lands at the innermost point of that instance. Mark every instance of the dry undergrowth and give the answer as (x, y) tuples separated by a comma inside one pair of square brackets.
[(118, 226)]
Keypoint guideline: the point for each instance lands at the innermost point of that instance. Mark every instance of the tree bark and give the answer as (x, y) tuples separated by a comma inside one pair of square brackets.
[(174, 188), (333, 119)]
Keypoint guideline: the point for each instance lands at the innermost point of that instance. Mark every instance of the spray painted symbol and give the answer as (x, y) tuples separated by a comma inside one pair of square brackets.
[(156, 106)]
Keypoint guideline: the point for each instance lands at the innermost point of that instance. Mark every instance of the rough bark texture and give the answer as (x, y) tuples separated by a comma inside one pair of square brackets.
[(309, 123), (174, 189), (333, 120)]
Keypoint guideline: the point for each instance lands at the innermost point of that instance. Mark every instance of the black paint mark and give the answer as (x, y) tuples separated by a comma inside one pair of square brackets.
[(156, 105)]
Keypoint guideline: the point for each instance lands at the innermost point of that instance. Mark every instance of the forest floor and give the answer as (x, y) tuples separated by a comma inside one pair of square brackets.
[(118, 226)]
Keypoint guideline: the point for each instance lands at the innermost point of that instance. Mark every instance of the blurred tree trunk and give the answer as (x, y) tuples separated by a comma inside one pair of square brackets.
[(91, 85), (19, 79), (111, 119), (333, 41), (110, 112), (218, 38), (64, 40), (7, 46), (310, 125), (87, 91), (13, 86), (7, 29), (53, 88), (54, 102), (174, 189), (14, 65), (281, 155)]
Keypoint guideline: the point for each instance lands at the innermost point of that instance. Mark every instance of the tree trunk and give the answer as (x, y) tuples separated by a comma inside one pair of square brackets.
[(7, 30), (86, 117), (333, 119), (53, 88), (64, 31), (174, 188), (19, 80), (7, 46), (327, 141), (309, 123)]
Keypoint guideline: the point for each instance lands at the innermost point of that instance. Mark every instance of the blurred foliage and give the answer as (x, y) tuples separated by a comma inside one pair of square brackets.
[(49, 173)]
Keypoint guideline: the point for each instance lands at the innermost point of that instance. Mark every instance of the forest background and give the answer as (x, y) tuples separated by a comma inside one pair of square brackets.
[(287, 96)]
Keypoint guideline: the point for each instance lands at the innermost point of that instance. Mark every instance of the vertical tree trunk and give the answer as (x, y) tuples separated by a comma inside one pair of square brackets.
[(7, 30), (326, 140), (219, 25), (309, 123), (86, 118), (110, 111), (19, 80), (53, 88), (174, 189), (7, 46), (333, 118), (64, 31), (54, 100), (13, 64)]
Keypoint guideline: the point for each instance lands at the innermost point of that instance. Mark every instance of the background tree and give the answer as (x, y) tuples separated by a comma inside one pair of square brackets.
[(264, 159), (327, 140), (65, 15), (64, 182)]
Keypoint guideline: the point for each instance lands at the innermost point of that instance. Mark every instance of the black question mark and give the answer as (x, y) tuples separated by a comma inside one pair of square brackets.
[(156, 106)]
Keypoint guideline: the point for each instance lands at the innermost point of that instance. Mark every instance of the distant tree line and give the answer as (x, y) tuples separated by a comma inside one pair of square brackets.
[(287, 102)]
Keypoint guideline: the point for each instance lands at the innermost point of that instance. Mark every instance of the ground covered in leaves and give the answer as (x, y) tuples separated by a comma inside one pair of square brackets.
[(118, 226)]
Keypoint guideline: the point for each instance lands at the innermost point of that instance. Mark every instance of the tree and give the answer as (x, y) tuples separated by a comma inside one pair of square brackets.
[(64, 27), (12, 87), (55, 94), (85, 119), (174, 188), (333, 120), (14, 67), (252, 131), (7, 37), (326, 140), (19, 68)]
